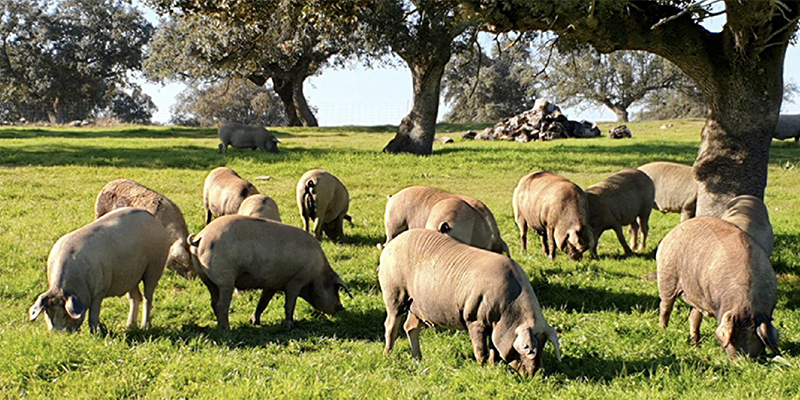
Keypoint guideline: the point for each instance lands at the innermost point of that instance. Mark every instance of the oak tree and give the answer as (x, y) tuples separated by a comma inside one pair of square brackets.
[(739, 70)]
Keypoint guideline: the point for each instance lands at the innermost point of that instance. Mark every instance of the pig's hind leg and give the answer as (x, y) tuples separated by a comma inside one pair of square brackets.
[(412, 327), (266, 296), (134, 298)]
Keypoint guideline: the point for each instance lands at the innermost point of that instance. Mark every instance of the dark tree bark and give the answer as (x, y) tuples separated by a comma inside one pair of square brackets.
[(743, 100), (416, 132), (285, 90), (290, 91), (302, 110), (621, 113), (620, 110), (739, 71)]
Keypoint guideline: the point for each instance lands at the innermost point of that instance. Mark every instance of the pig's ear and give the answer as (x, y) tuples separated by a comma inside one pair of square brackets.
[(444, 227), (552, 336), (340, 284), (725, 329), (75, 309), (37, 307), (768, 334)]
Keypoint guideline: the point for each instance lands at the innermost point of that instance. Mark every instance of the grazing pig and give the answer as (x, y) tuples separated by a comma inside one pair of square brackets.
[(720, 272), (555, 208), (323, 198), (788, 127), (127, 193), (442, 282), (238, 252), (242, 136), (750, 214), (411, 207), (223, 193), (260, 206), (676, 189), (108, 257), (625, 198), (456, 218)]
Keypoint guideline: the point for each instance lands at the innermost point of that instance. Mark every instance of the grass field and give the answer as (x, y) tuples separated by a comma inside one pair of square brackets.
[(605, 309)]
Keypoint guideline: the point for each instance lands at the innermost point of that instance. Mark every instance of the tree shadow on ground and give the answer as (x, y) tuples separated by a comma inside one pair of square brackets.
[(348, 325), (786, 263), (630, 155), (785, 257), (184, 157), (138, 133), (111, 132), (574, 298)]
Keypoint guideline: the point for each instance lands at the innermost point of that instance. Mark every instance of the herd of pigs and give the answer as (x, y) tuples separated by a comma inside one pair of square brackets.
[(443, 264)]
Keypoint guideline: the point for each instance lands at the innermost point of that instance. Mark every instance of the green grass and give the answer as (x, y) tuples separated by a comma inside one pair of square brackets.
[(605, 309)]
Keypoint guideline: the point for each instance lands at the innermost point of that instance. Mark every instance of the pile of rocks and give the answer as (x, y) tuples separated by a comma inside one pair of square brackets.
[(542, 122)]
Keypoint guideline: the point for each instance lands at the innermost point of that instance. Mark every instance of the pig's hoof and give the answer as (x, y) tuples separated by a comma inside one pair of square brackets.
[(288, 324)]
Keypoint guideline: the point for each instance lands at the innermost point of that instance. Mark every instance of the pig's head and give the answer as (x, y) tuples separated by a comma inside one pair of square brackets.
[(180, 261), (62, 312), (323, 293), (748, 336), (575, 240), (272, 143), (523, 349)]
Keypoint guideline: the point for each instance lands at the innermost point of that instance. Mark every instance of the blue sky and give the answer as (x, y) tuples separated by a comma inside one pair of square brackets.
[(360, 96)]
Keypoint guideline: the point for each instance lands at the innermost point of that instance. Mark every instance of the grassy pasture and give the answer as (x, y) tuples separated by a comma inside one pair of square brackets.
[(605, 309)]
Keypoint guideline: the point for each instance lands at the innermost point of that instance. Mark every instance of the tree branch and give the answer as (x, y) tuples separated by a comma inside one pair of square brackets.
[(686, 10)]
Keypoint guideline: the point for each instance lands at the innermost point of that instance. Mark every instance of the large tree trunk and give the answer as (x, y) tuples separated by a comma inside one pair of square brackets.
[(302, 110), (621, 113), (290, 91), (416, 131), (743, 100), (285, 90)]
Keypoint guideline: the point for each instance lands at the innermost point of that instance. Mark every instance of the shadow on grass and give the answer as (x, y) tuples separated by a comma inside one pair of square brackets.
[(139, 132), (347, 325), (604, 370), (119, 132), (620, 255), (365, 283), (359, 239), (158, 157), (573, 298), (630, 155)]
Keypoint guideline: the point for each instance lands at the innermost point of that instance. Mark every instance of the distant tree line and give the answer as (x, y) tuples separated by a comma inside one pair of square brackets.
[(234, 100), (72, 59)]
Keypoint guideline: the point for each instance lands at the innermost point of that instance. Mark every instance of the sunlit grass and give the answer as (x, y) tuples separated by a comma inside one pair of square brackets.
[(605, 309)]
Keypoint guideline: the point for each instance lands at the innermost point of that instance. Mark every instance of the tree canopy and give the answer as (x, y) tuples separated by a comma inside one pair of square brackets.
[(68, 59), (424, 34), (226, 101), (617, 80), (739, 70), (285, 41), (482, 87)]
